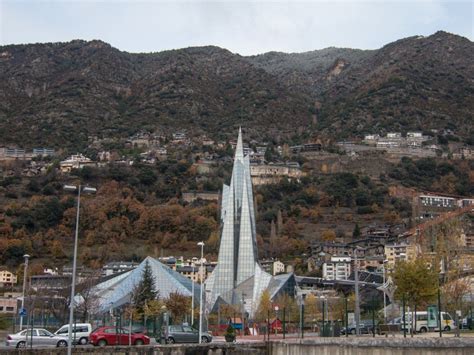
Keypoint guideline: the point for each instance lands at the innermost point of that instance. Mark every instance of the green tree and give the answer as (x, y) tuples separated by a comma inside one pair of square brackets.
[(145, 290), (356, 233), (417, 281)]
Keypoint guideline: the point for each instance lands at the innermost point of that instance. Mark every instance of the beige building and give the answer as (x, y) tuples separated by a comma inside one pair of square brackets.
[(193, 196), (398, 252), (272, 173), (7, 278), (273, 267), (8, 305)]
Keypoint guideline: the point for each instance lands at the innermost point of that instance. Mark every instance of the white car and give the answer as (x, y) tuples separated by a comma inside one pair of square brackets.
[(80, 332), (41, 337)]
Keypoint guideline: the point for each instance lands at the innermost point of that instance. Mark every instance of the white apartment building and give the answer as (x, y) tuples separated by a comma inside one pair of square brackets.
[(77, 161), (437, 201), (339, 268)]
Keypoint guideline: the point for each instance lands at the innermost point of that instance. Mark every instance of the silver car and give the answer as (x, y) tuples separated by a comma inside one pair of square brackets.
[(183, 334), (41, 337)]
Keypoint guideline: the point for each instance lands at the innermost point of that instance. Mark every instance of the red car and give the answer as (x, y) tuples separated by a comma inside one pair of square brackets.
[(116, 336)]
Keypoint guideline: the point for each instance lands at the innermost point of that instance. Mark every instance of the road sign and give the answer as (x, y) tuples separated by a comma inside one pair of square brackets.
[(22, 312)]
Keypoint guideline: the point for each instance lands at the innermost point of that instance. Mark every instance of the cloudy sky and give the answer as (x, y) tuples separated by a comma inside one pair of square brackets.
[(244, 26)]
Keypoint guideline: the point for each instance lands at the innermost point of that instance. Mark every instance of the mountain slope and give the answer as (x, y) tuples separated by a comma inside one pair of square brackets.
[(59, 94), (415, 83)]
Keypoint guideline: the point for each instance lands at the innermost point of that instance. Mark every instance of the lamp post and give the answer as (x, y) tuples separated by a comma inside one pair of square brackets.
[(201, 244), (26, 257), (164, 310), (192, 296), (300, 301), (384, 299), (243, 314), (357, 300), (276, 308), (74, 188)]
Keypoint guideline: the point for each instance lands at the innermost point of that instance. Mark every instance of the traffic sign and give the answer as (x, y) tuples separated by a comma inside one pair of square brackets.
[(22, 312)]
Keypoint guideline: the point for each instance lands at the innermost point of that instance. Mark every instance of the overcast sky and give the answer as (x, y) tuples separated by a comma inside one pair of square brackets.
[(245, 27)]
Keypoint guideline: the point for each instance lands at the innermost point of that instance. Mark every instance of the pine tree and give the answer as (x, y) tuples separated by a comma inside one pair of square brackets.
[(273, 239), (356, 233), (145, 290), (279, 223)]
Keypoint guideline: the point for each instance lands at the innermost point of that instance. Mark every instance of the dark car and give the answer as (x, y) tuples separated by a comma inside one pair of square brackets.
[(184, 334), (116, 336)]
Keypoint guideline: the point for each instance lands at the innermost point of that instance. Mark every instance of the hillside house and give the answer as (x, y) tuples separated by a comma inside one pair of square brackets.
[(77, 161), (272, 173), (7, 278)]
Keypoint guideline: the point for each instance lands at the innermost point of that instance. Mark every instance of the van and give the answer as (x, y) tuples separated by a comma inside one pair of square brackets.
[(421, 321), (80, 332)]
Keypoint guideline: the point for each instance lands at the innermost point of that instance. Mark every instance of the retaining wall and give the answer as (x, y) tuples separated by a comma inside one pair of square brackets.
[(377, 346), (319, 346)]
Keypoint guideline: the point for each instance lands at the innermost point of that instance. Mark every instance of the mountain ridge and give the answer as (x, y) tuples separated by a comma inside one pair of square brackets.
[(90, 88)]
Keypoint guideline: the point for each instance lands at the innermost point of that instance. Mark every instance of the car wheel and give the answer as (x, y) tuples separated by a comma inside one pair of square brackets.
[(171, 341), (102, 342), (423, 330), (61, 344), (139, 342), (353, 331), (83, 341), (447, 328), (204, 340), (20, 344)]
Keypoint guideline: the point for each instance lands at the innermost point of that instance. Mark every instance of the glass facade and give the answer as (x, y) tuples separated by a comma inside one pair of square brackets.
[(238, 278), (117, 291), (237, 251)]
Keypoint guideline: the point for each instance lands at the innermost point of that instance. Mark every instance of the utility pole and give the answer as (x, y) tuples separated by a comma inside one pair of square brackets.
[(25, 271), (192, 297), (357, 300), (243, 314), (439, 314), (201, 244), (384, 298)]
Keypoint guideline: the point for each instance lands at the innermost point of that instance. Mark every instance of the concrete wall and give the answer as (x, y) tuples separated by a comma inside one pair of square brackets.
[(377, 346), (181, 349), (318, 346)]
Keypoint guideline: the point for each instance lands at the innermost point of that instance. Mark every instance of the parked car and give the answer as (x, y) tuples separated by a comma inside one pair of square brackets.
[(116, 336), (183, 334), (420, 322), (80, 332), (365, 327), (41, 337), (467, 323)]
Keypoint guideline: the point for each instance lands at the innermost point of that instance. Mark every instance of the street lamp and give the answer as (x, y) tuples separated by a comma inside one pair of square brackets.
[(22, 311), (192, 295), (243, 313), (90, 190), (357, 300), (164, 310), (384, 298), (300, 301), (201, 244)]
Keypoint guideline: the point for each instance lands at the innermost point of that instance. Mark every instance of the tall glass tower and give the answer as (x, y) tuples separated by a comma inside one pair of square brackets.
[(237, 260)]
